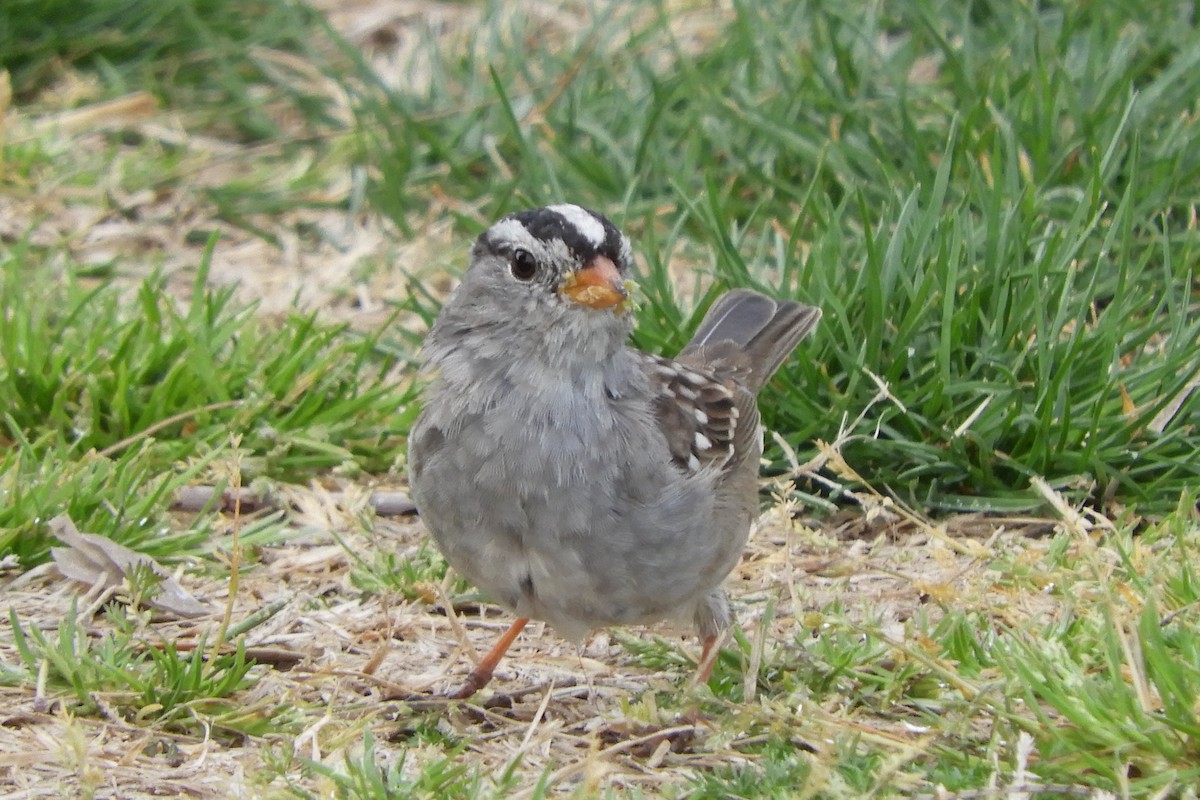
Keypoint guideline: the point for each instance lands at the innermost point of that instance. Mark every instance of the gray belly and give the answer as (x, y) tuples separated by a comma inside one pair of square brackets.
[(558, 531)]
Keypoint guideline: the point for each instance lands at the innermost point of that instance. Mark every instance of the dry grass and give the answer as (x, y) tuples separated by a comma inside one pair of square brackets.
[(583, 716), (154, 204)]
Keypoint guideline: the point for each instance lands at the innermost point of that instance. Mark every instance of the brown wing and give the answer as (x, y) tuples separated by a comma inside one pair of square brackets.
[(699, 412), (706, 397)]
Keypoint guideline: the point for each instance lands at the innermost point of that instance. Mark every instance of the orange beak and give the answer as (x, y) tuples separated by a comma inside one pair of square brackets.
[(597, 284)]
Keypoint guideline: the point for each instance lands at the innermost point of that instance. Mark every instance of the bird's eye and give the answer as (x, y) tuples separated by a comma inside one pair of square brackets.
[(522, 265)]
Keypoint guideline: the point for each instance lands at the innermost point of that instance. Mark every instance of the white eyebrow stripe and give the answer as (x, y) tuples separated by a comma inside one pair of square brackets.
[(512, 231), (581, 220)]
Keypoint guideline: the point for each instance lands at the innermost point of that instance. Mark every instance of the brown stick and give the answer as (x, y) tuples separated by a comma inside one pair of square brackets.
[(197, 498)]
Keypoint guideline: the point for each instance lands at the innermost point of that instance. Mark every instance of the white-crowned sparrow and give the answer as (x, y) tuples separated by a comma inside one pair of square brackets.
[(570, 477)]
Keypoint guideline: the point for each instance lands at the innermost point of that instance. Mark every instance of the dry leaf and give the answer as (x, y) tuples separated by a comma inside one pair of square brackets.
[(105, 115), (1128, 407), (98, 561)]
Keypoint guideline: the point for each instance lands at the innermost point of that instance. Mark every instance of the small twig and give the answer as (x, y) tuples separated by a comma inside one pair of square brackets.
[(277, 657), (619, 747), (116, 447), (1163, 418), (198, 498), (235, 551), (537, 718), (538, 112), (257, 618), (1169, 618), (974, 415)]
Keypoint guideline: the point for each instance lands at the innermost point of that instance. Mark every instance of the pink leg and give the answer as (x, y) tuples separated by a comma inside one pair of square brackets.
[(708, 658), (482, 673)]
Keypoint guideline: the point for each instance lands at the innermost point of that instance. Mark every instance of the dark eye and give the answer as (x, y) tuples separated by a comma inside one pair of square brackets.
[(522, 265)]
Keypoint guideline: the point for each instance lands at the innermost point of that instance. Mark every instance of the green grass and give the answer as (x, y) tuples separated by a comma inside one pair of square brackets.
[(1005, 241), (89, 372), (992, 207), (1105, 689), (111, 404), (210, 54), (994, 204), (364, 778), (158, 685), (413, 575)]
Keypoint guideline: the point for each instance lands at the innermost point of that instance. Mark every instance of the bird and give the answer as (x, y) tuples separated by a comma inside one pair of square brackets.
[(570, 477)]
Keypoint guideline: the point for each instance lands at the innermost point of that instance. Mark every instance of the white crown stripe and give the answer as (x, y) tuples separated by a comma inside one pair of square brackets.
[(581, 220)]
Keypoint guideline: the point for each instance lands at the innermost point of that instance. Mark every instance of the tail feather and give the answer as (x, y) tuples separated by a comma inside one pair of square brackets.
[(765, 330)]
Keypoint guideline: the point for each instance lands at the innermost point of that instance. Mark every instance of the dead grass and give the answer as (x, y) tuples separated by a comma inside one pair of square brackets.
[(584, 717), (154, 204)]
